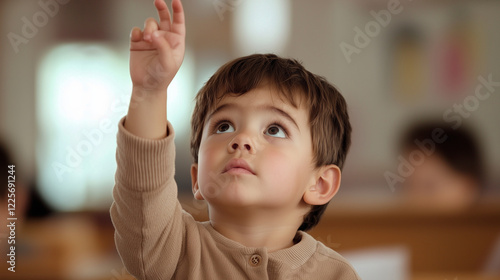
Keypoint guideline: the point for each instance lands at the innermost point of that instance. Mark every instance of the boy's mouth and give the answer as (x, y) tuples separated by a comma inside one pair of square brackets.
[(238, 166)]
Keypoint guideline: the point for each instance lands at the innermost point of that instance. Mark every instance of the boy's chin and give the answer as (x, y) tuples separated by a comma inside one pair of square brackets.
[(232, 193)]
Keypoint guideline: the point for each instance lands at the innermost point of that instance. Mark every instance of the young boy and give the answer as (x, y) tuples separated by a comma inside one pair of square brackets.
[(269, 139)]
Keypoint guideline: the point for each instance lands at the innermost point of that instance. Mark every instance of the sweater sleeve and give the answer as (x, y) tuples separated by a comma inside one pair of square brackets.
[(146, 213)]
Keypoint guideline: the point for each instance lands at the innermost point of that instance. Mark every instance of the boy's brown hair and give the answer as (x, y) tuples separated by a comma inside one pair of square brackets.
[(328, 117)]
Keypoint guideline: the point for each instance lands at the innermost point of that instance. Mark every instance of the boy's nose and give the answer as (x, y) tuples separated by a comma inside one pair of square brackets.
[(235, 146), (241, 142)]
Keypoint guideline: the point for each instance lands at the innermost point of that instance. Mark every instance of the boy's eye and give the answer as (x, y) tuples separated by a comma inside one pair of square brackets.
[(276, 131), (224, 127)]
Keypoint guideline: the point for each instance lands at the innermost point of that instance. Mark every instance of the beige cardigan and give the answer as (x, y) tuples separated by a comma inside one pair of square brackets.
[(157, 239)]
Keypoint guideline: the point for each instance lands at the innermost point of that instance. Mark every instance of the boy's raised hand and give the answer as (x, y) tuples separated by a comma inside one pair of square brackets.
[(156, 53)]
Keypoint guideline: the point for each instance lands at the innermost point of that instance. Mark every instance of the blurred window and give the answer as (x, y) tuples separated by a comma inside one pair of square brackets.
[(83, 89)]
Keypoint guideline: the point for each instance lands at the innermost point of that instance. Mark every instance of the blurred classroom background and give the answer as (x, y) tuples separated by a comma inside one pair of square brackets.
[(64, 84)]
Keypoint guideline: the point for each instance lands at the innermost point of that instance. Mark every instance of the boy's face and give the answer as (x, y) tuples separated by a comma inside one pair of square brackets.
[(255, 152)]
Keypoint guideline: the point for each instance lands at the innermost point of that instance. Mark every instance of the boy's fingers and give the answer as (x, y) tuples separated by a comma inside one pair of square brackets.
[(178, 25), (163, 47), (136, 34), (150, 26), (164, 14)]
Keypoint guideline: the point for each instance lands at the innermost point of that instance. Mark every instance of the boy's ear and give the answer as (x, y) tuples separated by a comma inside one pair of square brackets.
[(194, 182), (326, 186)]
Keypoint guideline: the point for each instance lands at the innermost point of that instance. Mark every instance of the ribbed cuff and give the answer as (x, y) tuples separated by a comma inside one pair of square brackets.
[(144, 164)]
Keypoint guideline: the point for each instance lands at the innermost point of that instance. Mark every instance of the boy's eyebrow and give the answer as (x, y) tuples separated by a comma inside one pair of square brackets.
[(262, 107)]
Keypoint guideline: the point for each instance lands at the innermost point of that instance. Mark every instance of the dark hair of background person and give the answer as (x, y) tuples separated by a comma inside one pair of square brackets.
[(37, 207), (461, 149)]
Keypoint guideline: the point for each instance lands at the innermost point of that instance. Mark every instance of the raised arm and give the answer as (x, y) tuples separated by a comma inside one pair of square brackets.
[(156, 54), (146, 214)]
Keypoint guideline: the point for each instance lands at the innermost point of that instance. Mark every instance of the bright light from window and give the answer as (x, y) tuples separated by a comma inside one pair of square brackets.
[(180, 98), (75, 104), (262, 26), (82, 92)]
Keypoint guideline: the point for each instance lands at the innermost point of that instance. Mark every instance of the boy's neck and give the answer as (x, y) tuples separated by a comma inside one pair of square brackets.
[(269, 231)]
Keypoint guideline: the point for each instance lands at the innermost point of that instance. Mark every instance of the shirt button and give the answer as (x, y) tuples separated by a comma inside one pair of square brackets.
[(255, 260)]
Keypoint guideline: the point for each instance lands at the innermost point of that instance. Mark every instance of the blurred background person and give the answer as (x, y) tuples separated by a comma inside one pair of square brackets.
[(19, 201), (451, 174)]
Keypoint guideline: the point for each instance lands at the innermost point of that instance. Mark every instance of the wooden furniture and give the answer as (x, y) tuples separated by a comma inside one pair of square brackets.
[(439, 240), (443, 244)]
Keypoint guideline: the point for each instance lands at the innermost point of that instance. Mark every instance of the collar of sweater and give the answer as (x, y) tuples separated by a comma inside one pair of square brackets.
[(289, 258)]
